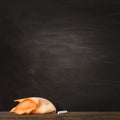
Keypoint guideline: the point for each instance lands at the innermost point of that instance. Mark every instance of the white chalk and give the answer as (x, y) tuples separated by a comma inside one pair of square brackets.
[(62, 112)]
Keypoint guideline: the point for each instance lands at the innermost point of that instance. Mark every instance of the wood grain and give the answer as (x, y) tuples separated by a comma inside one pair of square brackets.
[(68, 116)]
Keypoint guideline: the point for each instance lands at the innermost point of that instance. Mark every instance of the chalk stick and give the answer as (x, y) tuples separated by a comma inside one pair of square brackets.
[(62, 112)]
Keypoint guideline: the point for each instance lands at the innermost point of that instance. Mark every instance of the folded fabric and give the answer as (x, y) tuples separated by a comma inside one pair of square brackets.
[(33, 105)]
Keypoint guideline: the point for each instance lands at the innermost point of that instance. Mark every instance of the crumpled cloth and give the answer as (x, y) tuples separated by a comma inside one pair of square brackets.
[(33, 105)]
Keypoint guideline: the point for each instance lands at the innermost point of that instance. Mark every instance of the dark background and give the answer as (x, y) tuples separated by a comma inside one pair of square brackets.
[(64, 50)]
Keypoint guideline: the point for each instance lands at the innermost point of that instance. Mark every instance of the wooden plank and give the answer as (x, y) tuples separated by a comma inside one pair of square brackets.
[(68, 116)]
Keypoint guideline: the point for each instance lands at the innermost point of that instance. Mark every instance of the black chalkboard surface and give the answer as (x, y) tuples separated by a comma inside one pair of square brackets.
[(66, 51)]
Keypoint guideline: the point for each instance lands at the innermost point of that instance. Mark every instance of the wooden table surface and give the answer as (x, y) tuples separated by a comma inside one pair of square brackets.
[(68, 116)]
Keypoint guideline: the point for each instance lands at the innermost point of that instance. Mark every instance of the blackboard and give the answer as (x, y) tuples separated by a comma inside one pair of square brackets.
[(66, 51)]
